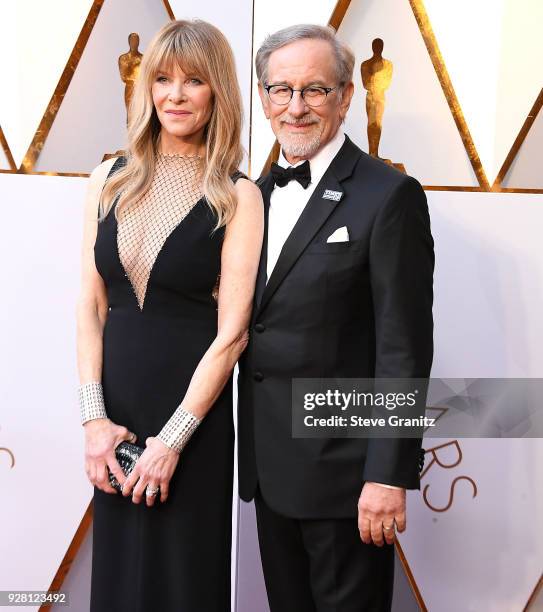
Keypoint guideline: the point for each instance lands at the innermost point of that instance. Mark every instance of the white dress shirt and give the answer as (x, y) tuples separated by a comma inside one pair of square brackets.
[(288, 202)]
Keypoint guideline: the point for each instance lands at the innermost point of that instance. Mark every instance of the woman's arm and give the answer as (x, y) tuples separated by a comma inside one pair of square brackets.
[(239, 267), (92, 303), (101, 435)]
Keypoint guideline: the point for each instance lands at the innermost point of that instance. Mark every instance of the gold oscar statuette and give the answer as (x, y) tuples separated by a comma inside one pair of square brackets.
[(129, 67), (376, 77)]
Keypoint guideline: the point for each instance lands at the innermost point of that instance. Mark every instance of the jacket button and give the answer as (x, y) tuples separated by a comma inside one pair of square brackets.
[(258, 376), (260, 327)]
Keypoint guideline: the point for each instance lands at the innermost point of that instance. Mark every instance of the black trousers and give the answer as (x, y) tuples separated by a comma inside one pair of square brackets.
[(322, 565)]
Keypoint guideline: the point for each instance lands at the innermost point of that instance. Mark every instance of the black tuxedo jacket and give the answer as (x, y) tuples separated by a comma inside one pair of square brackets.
[(361, 308)]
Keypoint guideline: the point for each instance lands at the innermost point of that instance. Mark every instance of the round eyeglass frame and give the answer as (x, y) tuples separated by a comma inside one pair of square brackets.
[(326, 91)]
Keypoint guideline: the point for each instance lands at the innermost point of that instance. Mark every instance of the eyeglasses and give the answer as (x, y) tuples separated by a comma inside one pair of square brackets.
[(312, 95)]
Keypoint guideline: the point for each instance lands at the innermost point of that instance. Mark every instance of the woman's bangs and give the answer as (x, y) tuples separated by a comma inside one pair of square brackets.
[(179, 55)]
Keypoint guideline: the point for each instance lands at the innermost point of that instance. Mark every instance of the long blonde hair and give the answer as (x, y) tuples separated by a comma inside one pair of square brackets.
[(199, 48)]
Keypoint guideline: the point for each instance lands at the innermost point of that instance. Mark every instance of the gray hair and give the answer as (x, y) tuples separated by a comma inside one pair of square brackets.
[(343, 55)]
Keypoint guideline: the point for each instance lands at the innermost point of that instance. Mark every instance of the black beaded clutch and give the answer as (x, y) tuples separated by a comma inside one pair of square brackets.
[(127, 454), (422, 455)]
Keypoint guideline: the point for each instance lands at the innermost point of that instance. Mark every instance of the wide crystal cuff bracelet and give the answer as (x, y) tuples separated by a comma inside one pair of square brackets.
[(178, 429), (91, 402)]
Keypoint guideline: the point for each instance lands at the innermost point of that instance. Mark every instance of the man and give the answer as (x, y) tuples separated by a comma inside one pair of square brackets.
[(359, 305)]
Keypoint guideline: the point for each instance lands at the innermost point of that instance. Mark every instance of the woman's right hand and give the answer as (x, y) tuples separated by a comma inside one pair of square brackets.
[(102, 436)]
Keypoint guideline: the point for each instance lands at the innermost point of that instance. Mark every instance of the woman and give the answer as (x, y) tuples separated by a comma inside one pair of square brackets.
[(159, 335)]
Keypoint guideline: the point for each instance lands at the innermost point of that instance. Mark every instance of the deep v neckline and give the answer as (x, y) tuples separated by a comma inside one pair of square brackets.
[(144, 228), (175, 229)]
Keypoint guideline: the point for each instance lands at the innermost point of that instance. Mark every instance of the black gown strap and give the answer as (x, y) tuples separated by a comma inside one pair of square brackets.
[(119, 163), (237, 175)]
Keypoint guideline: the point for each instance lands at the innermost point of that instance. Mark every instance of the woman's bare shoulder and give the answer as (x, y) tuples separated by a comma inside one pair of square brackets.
[(95, 185), (247, 191), (98, 178), (99, 174)]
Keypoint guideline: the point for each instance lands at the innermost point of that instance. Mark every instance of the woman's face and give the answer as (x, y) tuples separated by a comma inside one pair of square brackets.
[(183, 103)]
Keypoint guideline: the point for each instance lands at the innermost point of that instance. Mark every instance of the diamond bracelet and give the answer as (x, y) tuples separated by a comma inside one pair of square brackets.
[(91, 402), (179, 429)]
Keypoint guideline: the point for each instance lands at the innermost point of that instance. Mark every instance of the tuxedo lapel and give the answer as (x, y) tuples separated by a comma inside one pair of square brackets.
[(266, 185), (315, 213)]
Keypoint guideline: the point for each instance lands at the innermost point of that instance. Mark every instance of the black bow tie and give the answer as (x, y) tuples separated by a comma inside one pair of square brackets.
[(282, 176)]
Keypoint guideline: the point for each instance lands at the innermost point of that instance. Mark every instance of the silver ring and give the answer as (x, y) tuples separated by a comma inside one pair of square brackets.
[(151, 491)]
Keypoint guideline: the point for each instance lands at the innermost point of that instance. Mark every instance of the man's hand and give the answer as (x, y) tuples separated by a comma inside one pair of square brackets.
[(378, 509)]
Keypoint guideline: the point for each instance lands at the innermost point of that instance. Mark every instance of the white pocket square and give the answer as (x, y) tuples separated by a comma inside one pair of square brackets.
[(340, 235)]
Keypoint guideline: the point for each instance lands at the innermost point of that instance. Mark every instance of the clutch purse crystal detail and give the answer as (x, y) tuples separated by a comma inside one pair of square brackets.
[(127, 454), (422, 456)]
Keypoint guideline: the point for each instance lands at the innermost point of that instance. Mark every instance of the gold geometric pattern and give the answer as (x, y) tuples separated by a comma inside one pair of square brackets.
[(442, 74), (51, 111), (440, 68), (168, 9), (66, 563), (409, 575), (534, 601), (7, 152), (532, 115), (335, 20)]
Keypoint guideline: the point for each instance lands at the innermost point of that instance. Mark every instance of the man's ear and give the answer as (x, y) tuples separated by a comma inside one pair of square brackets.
[(346, 98), (265, 100)]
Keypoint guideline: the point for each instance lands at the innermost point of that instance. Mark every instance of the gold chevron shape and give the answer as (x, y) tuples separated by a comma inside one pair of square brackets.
[(51, 111), (442, 73), (438, 63), (497, 69), (92, 118), (507, 177), (9, 164), (73, 548), (535, 601), (421, 101)]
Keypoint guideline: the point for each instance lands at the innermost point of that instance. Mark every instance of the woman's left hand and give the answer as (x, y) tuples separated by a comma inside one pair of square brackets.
[(153, 469)]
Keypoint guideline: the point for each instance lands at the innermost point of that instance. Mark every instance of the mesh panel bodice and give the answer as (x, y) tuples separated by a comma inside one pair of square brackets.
[(144, 226)]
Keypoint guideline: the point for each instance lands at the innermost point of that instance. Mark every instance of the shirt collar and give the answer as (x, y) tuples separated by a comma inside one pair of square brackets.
[(322, 159)]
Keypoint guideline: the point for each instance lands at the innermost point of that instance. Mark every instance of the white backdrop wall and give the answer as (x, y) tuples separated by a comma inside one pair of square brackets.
[(46, 492), (467, 540), (479, 553)]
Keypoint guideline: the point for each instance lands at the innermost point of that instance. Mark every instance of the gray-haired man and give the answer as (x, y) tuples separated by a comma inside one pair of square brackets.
[(344, 290)]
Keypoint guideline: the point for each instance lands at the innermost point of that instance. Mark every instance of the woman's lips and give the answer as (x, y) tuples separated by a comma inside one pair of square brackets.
[(178, 113)]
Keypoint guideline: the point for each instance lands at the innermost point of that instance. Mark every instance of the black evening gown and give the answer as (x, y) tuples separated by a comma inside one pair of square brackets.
[(174, 556)]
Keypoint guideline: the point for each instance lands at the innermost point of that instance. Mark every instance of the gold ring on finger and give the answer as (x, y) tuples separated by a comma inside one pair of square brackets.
[(388, 528)]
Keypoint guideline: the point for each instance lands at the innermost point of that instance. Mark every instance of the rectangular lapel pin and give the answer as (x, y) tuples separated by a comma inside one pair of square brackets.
[(329, 194)]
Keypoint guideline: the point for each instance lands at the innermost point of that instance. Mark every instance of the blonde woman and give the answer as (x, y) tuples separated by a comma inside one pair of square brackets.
[(172, 238)]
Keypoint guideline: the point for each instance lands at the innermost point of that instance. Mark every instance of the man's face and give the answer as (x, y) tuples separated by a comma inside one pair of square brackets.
[(303, 130)]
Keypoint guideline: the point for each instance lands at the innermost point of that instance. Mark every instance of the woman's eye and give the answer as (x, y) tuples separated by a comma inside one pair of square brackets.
[(195, 81), (161, 79)]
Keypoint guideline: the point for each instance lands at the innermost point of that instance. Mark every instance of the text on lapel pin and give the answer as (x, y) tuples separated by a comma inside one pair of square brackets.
[(329, 194)]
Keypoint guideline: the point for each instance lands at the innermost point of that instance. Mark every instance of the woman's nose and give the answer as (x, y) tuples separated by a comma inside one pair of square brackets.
[(177, 93)]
